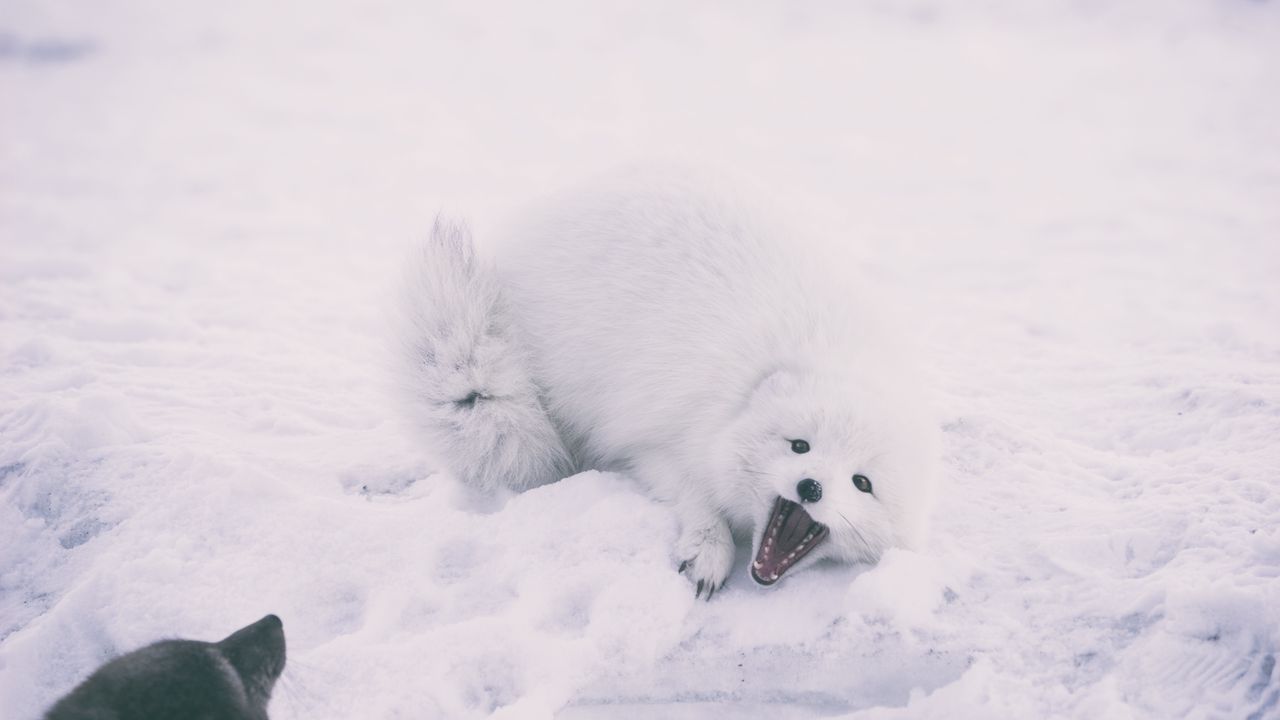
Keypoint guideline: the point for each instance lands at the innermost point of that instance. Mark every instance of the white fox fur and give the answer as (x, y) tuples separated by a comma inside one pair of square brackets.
[(651, 327), (475, 401)]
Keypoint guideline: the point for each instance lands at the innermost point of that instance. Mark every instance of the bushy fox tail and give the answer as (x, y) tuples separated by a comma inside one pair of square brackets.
[(473, 398)]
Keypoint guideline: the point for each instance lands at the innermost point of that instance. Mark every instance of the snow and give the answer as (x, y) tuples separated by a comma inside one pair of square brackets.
[(203, 209)]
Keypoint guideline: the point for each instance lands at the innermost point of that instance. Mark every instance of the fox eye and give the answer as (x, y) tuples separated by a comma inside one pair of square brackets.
[(799, 447), (862, 482)]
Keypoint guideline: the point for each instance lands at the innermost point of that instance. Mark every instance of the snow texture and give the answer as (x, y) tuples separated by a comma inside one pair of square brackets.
[(204, 210)]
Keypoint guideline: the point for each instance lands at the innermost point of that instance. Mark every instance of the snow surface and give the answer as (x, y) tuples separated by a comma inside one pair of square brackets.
[(203, 207)]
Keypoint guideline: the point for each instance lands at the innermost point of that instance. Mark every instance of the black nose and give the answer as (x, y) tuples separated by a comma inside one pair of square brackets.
[(810, 490)]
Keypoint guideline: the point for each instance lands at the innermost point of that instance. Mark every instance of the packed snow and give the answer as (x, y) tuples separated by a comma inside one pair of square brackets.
[(204, 210)]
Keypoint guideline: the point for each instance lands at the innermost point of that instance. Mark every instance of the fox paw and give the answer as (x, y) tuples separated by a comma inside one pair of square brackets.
[(708, 557)]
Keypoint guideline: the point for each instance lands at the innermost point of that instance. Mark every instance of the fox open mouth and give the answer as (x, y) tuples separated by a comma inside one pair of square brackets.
[(789, 535)]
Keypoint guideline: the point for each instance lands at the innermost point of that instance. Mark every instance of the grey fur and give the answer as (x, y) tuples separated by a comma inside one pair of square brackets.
[(184, 680)]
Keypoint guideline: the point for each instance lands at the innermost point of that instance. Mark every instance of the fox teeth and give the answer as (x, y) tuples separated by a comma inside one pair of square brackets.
[(757, 564)]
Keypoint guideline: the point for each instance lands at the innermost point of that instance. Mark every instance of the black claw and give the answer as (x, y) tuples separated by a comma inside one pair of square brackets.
[(698, 594), (711, 591), (683, 565)]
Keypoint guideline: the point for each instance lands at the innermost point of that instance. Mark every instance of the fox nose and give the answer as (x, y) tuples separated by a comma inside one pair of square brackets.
[(809, 490)]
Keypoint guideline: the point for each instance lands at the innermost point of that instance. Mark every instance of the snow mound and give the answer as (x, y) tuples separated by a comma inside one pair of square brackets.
[(202, 209)]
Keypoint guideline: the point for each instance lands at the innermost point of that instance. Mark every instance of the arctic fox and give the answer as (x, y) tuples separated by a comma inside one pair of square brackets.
[(651, 327), (227, 680)]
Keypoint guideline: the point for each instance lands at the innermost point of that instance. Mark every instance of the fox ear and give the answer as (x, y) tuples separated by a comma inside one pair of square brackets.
[(257, 652), (778, 381)]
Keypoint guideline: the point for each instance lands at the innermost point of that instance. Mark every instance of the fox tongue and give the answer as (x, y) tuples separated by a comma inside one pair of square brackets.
[(789, 535), (794, 526)]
